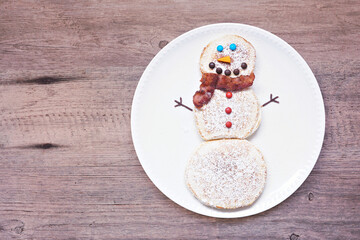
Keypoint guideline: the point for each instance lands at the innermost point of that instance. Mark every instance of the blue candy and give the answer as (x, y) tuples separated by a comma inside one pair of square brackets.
[(233, 46), (220, 48)]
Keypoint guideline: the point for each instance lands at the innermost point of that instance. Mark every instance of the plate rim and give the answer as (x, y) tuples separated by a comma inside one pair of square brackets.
[(308, 167)]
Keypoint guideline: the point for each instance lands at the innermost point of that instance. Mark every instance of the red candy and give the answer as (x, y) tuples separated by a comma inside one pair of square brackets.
[(228, 94), (228, 124), (228, 110)]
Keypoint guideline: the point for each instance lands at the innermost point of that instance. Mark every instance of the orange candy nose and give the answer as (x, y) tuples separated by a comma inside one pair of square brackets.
[(226, 59)]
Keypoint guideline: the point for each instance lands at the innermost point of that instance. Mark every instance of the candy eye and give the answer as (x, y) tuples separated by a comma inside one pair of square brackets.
[(220, 48), (233, 46)]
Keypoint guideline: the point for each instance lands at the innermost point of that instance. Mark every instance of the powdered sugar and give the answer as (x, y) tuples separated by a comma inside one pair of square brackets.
[(226, 173)]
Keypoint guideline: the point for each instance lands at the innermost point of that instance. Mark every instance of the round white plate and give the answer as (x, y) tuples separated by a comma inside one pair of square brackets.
[(290, 135)]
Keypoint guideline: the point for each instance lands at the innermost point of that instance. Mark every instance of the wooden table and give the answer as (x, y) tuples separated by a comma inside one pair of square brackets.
[(68, 72)]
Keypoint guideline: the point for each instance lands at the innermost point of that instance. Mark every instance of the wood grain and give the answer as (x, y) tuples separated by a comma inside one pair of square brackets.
[(69, 69)]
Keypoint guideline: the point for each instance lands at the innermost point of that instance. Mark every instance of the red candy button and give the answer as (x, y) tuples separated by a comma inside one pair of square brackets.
[(228, 94), (228, 124), (228, 110)]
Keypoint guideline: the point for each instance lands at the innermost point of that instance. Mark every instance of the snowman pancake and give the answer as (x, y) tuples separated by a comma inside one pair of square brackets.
[(226, 171), (224, 106)]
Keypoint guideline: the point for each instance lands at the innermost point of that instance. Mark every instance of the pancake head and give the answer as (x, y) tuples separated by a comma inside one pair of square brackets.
[(232, 47)]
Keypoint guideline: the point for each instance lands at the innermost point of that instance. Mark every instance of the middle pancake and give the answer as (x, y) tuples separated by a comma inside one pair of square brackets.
[(245, 115)]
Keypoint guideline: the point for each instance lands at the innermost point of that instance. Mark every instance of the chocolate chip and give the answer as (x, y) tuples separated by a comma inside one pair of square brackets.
[(211, 65), (236, 71), (227, 72), (243, 65), (218, 70)]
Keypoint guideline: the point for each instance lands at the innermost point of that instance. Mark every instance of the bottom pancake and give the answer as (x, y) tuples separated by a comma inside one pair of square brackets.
[(226, 174)]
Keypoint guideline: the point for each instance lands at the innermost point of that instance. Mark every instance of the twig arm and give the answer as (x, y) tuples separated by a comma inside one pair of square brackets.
[(271, 100), (179, 103)]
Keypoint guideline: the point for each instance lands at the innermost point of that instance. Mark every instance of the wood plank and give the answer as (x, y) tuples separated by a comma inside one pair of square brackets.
[(68, 168)]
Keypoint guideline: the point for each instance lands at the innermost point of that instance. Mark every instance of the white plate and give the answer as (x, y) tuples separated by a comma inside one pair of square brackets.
[(290, 135)]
